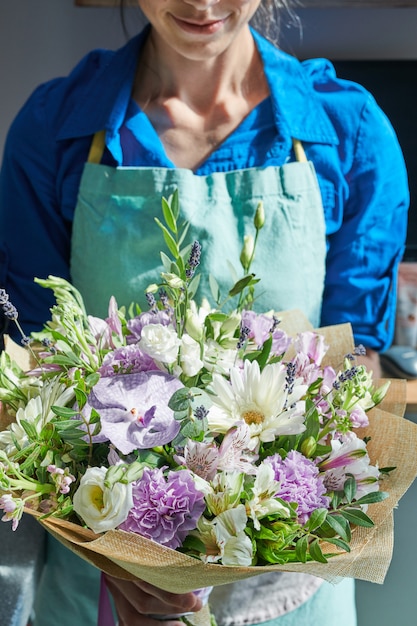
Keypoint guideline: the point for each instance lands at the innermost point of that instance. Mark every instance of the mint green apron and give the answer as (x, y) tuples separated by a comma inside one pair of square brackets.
[(115, 251), (116, 242)]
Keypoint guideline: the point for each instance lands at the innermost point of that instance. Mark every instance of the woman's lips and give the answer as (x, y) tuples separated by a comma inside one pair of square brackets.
[(199, 28)]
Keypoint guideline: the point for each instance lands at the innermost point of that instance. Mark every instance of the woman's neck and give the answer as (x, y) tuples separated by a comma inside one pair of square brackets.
[(195, 104), (201, 84)]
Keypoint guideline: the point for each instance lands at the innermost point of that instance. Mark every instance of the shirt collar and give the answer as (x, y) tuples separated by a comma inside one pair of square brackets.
[(297, 108), (103, 103)]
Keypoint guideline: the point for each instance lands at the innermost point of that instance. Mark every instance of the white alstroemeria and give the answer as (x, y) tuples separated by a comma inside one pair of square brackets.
[(235, 546), (261, 399), (102, 508), (190, 360), (15, 431), (218, 358), (160, 342), (263, 502), (226, 491), (38, 412), (234, 453), (201, 458)]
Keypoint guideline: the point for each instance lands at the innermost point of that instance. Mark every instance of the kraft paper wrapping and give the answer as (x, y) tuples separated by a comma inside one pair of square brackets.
[(393, 443)]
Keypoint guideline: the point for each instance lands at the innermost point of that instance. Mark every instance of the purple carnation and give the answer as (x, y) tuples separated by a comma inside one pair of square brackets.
[(164, 509), (126, 360), (136, 324), (300, 482)]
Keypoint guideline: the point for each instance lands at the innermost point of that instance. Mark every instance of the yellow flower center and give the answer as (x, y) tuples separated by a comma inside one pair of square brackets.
[(253, 417), (96, 495)]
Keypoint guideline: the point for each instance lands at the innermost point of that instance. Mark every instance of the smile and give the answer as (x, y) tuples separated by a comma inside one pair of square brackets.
[(199, 28)]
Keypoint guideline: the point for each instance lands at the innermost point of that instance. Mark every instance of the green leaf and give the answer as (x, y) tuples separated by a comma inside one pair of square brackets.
[(214, 288), (174, 201), (193, 285), (168, 238), (241, 285), (180, 400), (64, 411), (339, 543), (350, 488), (340, 526), (301, 549), (316, 552), (169, 216), (316, 519), (166, 261), (373, 497), (357, 517)]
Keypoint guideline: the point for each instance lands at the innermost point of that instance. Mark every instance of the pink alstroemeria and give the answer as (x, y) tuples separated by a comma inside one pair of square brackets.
[(134, 410)]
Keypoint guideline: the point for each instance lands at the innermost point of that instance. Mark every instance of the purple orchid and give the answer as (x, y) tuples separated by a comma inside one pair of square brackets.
[(165, 509), (134, 410)]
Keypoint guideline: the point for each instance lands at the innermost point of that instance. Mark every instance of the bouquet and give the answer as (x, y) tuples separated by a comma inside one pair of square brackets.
[(192, 445)]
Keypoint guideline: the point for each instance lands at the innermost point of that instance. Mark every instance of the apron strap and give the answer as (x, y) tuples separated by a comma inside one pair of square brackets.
[(300, 155), (99, 142), (97, 147)]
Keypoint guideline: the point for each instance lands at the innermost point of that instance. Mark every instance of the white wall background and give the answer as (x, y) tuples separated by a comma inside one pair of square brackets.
[(40, 39)]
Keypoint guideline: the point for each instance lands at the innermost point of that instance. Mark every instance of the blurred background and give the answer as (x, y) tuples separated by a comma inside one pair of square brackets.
[(41, 39)]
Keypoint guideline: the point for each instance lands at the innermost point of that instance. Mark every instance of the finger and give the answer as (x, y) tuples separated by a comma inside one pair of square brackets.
[(145, 599)]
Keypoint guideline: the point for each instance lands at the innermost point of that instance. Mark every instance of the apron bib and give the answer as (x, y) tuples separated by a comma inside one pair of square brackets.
[(115, 251), (116, 242)]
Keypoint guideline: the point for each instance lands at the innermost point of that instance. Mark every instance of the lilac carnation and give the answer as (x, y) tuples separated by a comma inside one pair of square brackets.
[(164, 509), (126, 360), (136, 324), (300, 482)]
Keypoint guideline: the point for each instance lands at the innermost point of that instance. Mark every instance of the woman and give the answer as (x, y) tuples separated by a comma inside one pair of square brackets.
[(201, 102)]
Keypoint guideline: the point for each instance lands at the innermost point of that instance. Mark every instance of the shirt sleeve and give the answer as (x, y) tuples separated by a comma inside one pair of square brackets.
[(34, 236), (363, 254)]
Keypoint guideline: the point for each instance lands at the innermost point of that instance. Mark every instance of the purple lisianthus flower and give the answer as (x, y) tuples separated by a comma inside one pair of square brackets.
[(126, 360), (134, 410), (164, 509), (300, 482), (261, 327), (136, 324)]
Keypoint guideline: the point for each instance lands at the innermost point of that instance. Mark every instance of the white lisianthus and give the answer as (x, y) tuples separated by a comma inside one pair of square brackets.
[(160, 342), (102, 508), (190, 360), (263, 502)]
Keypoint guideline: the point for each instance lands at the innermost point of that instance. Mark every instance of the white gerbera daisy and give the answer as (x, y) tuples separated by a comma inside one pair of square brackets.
[(261, 399)]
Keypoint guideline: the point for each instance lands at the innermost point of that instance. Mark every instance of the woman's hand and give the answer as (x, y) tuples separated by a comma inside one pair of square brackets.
[(135, 601)]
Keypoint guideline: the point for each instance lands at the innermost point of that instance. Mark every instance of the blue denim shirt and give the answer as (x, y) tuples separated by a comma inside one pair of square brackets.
[(354, 149)]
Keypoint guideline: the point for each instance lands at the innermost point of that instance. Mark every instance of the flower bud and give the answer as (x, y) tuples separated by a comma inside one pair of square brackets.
[(259, 219), (172, 280), (308, 447), (247, 251)]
